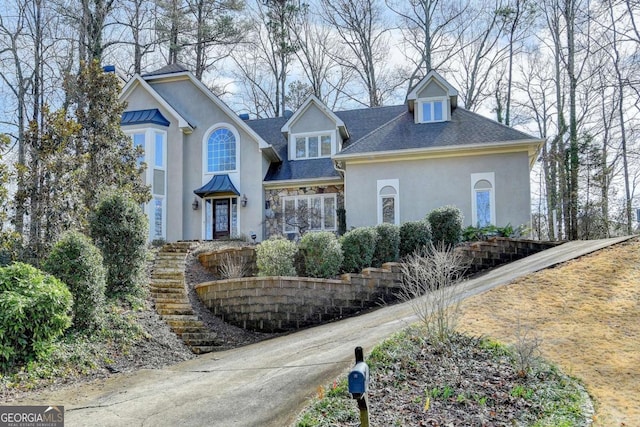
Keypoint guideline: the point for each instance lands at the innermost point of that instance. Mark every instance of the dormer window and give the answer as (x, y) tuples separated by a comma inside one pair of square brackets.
[(312, 146), (432, 110)]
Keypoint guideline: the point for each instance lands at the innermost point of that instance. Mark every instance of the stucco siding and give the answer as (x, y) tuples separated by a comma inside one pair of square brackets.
[(432, 89), (312, 120), (428, 184)]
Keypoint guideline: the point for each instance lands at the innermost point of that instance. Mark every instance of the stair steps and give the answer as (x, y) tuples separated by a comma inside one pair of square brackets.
[(167, 288)]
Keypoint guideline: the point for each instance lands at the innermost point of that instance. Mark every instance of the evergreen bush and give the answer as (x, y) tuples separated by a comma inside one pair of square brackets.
[(321, 254), (119, 228), (414, 235), (78, 263), (35, 309), (446, 225), (275, 257), (358, 247), (387, 245)]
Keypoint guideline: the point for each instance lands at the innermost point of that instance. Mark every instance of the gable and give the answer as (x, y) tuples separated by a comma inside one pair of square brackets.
[(313, 119), (432, 89)]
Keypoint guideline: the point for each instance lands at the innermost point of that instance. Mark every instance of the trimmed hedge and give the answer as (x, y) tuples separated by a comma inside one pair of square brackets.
[(358, 247), (35, 309), (414, 235), (78, 263), (275, 257), (446, 225), (387, 245), (119, 228), (321, 254)]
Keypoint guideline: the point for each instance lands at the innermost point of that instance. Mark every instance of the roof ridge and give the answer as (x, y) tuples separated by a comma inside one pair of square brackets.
[(376, 130)]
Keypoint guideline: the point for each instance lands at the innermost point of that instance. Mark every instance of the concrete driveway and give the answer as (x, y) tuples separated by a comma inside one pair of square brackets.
[(267, 383)]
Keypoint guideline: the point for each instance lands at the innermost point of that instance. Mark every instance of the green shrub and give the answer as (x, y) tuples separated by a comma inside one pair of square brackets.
[(358, 247), (119, 228), (446, 225), (78, 263), (275, 257), (387, 245), (414, 235), (34, 310), (321, 254)]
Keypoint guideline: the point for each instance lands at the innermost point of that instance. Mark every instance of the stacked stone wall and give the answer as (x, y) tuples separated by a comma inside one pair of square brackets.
[(496, 251), (273, 304)]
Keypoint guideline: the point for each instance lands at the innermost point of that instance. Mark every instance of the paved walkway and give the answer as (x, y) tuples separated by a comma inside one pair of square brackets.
[(267, 383)]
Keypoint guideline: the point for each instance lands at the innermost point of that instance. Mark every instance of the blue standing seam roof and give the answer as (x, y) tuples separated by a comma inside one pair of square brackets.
[(218, 185), (153, 116)]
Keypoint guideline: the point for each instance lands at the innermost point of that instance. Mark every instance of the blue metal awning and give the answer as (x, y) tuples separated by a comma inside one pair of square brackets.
[(153, 116), (219, 185)]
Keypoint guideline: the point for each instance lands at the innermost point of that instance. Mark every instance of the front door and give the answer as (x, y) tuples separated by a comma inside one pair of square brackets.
[(221, 218)]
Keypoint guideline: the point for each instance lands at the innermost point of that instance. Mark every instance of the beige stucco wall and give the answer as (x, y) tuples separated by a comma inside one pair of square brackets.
[(431, 183), (186, 164), (432, 89), (312, 119)]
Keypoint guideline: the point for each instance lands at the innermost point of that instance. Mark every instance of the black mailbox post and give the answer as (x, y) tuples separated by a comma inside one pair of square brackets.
[(359, 384)]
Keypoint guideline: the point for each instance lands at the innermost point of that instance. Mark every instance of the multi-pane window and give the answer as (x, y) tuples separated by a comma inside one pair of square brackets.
[(309, 213), (154, 146), (433, 111), (221, 151), (312, 146)]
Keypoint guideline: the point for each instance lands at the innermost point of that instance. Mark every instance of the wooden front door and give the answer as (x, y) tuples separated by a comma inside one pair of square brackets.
[(221, 218)]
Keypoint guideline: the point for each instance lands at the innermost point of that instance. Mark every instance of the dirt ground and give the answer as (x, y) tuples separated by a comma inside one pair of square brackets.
[(586, 316)]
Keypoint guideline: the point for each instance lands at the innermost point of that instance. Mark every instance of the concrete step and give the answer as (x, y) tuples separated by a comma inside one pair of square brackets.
[(182, 318), (178, 309), (174, 295), (167, 283), (180, 330), (167, 273), (170, 299), (202, 349)]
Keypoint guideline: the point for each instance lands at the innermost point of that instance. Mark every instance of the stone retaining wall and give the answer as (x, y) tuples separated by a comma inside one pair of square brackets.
[(496, 251), (245, 256), (273, 304)]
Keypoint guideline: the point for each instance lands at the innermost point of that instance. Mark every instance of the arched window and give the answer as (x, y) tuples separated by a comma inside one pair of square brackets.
[(483, 199), (221, 149), (388, 203)]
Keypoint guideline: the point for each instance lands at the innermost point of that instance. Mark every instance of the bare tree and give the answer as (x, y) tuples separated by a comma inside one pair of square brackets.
[(361, 27), (479, 54), (428, 279), (429, 29)]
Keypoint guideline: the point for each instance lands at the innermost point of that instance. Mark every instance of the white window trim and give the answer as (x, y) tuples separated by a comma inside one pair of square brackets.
[(205, 140), (484, 176), (149, 160), (308, 197), (307, 135), (395, 184), (445, 109)]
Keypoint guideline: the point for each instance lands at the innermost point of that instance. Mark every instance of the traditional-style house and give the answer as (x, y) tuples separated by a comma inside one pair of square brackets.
[(215, 174)]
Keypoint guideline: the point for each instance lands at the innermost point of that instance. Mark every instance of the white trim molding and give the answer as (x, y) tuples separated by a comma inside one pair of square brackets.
[(393, 192)]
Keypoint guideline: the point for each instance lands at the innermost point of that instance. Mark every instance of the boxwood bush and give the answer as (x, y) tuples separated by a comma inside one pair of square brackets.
[(387, 245), (78, 263), (446, 225), (119, 228), (321, 254), (35, 309), (358, 247), (414, 235), (275, 257)]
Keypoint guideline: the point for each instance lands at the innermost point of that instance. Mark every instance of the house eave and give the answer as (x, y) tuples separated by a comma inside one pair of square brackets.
[(183, 124), (532, 147), (294, 183)]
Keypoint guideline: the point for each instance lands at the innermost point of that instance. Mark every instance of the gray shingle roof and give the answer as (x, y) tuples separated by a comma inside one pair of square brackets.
[(167, 69), (381, 129)]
